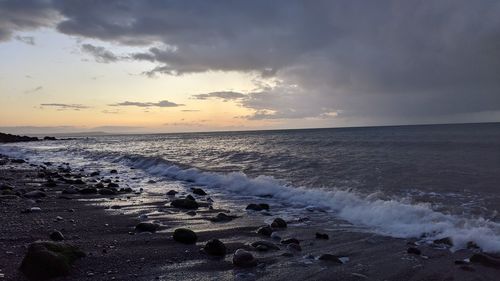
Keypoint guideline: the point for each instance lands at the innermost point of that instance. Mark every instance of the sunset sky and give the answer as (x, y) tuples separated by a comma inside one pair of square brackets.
[(171, 66)]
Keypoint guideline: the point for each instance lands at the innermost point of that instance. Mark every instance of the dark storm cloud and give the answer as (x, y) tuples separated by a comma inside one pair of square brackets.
[(100, 54), (224, 95), (404, 60), (163, 103), (24, 15)]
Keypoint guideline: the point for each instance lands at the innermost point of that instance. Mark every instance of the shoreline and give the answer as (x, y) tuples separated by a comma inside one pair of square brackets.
[(104, 229)]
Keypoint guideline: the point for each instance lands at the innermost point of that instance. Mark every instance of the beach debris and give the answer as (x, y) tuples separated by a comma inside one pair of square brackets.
[(279, 223), (147, 227), (444, 241), (45, 260), (198, 191), (323, 236), (486, 260), (184, 204), (215, 247), (413, 250), (56, 236), (172, 192), (242, 258), (257, 207), (330, 258), (184, 235), (265, 230), (263, 245), (35, 194)]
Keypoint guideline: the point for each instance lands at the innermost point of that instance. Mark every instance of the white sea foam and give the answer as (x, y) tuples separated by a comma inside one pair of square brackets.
[(395, 218)]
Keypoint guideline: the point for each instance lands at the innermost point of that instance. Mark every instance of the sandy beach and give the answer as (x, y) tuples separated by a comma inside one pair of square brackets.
[(104, 228)]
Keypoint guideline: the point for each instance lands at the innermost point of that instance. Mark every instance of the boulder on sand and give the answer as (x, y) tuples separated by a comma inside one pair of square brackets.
[(279, 223), (265, 230), (184, 235), (258, 207), (243, 258), (198, 191), (45, 260), (215, 247), (184, 204), (146, 227), (221, 217)]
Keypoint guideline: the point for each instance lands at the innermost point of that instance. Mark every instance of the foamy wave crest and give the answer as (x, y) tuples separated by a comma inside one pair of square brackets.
[(389, 217)]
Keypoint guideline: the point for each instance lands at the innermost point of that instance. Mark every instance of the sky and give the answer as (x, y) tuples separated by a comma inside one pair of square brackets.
[(176, 66)]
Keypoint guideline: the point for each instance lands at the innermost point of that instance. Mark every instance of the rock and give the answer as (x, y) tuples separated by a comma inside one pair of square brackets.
[(265, 230), (45, 260), (95, 174), (266, 244), (184, 235), (151, 181), (147, 227), (113, 185), (191, 213), (35, 194), (17, 161), (198, 191), (172, 192), (290, 241), (258, 207), (330, 257), (221, 217), (107, 191), (472, 245), (413, 250), (322, 236), (190, 197), (116, 207), (243, 258), (70, 190), (215, 247), (113, 171), (444, 241), (78, 181), (485, 260), (184, 204), (6, 187), (276, 236), (126, 190), (294, 247), (99, 185), (56, 236), (88, 190), (279, 223)]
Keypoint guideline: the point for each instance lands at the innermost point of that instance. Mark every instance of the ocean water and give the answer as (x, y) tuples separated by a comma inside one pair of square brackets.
[(407, 181)]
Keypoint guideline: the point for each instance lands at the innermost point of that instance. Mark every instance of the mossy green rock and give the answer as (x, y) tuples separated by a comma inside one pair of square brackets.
[(45, 260)]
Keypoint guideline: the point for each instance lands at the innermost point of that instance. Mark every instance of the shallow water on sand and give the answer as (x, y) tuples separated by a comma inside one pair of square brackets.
[(398, 181)]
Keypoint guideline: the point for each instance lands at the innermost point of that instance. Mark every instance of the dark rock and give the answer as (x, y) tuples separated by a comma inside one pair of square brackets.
[(472, 245), (6, 187), (279, 223), (290, 241), (190, 197), (191, 213), (70, 190), (126, 190), (95, 174), (322, 236), (17, 161), (151, 181), (35, 194), (330, 257), (184, 204), (221, 217), (485, 260), (49, 138), (444, 241), (88, 190), (113, 185), (106, 180), (171, 192), (107, 191), (113, 171), (198, 191), (56, 236), (413, 250), (45, 260), (215, 247), (184, 235), (78, 181), (243, 258), (116, 207), (258, 207), (265, 244), (147, 227), (265, 230), (294, 247)]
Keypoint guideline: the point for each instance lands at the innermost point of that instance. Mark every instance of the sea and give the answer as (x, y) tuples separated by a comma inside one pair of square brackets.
[(425, 181)]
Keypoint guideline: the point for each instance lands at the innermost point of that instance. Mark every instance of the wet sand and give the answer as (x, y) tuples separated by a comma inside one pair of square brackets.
[(103, 227)]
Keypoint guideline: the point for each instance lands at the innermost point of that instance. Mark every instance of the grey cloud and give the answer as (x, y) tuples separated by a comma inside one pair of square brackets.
[(100, 54), (224, 95), (383, 60), (163, 103), (30, 40), (64, 106)]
